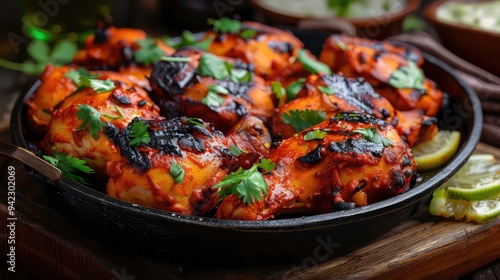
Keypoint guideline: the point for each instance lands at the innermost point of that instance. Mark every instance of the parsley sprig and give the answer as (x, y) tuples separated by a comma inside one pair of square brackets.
[(372, 135), (212, 66), (90, 118), (237, 151), (69, 165), (410, 76), (248, 184), (188, 39), (303, 119)]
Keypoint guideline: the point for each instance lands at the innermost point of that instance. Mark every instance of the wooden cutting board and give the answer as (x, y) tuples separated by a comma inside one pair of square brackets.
[(427, 247)]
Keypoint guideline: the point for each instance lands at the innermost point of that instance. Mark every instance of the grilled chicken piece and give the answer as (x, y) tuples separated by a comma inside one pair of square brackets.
[(189, 89), (146, 174), (272, 51), (54, 88), (112, 48), (332, 94), (249, 140), (377, 62), (118, 107), (361, 160)]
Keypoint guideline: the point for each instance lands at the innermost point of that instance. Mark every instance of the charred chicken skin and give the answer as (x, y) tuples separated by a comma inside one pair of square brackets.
[(384, 65), (270, 50), (69, 133), (174, 171), (333, 94), (360, 160), (217, 90)]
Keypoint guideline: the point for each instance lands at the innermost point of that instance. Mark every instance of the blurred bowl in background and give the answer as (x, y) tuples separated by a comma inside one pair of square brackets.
[(368, 21), (477, 46)]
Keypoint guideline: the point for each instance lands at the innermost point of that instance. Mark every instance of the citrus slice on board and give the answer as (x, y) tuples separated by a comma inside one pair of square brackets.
[(438, 151)]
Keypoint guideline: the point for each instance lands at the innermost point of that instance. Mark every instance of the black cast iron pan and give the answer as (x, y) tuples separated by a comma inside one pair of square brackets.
[(209, 240)]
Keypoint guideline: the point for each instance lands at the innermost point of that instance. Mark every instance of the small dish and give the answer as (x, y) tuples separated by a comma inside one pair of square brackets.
[(474, 45)]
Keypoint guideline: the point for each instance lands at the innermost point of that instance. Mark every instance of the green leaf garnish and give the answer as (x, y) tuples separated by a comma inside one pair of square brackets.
[(99, 86), (314, 134), (90, 117), (139, 134), (212, 66), (312, 65), (372, 135), (248, 33), (303, 119), (225, 25), (249, 184), (410, 76), (294, 88), (196, 121), (40, 55), (266, 164), (213, 99), (176, 171), (240, 75), (176, 58), (279, 91), (237, 151), (341, 45), (69, 165), (326, 90), (149, 52), (188, 39)]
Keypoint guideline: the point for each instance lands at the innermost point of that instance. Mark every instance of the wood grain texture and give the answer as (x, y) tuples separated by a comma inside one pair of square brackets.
[(424, 247)]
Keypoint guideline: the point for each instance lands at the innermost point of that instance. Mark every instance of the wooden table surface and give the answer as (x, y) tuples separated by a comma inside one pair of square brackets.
[(50, 247)]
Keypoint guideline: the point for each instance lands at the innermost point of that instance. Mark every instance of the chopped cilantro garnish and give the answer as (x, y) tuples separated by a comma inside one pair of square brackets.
[(372, 135), (303, 119), (69, 165), (294, 88), (225, 25), (314, 134), (213, 66), (248, 184), (237, 151), (326, 90), (410, 76), (213, 99), (139, 134), (149, 52), (176, 171), (90, 117), (312, 65)]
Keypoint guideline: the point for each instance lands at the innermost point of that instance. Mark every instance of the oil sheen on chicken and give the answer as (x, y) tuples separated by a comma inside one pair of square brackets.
[(360, 160)]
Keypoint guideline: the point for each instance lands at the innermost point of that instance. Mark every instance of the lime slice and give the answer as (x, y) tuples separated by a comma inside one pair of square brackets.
[(438, 151), (478, 179), (479, 211), (472, 193)]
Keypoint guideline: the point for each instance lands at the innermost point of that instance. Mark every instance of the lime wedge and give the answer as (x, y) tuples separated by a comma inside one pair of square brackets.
[(438, 151)]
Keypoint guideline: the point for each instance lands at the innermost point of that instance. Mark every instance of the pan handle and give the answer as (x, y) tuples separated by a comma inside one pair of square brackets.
[(28, 158)]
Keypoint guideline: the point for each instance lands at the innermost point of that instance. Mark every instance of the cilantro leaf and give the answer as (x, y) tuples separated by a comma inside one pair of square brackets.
[(139, 134), (279, 91), (410, 76), (63, 52), (303, 119), (326, 90), (213, 99), (237, 151), (97, 85), (240, 75), (213, 66), (249, 184), (225, 25), (90, 117), (39, 51), (294, 88), (312, 65), (314, 134), (188, 39), (372, 135), (266, 164), (69, 165), (196, 121), (149, 52), (248, 33), (176, 171)]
